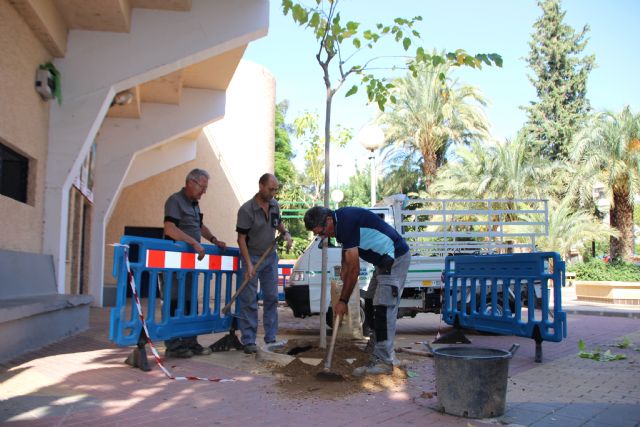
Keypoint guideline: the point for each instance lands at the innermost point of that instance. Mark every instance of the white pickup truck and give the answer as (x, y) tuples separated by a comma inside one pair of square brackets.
[(433, 229)]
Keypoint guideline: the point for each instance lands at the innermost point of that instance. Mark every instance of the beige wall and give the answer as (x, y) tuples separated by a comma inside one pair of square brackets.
[(24, 121), (235, 151), (142, 204)]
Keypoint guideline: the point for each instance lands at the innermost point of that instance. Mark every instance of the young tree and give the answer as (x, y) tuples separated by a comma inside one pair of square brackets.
[(560, 80)]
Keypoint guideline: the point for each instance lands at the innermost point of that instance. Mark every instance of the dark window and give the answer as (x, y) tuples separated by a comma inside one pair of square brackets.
[(14, 171)]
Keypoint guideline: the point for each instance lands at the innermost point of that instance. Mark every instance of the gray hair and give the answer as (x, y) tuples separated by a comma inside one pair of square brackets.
[(316, 216), (196, 174)]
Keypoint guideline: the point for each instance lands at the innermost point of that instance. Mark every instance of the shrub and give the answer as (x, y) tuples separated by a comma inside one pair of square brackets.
[(596, 269)]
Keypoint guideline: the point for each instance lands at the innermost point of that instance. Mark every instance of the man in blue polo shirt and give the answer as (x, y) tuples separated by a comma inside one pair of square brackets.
[(365, 235)]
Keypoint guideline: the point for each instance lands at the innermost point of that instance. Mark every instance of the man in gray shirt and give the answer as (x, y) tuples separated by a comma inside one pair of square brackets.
[(258, 220), (183, 222)]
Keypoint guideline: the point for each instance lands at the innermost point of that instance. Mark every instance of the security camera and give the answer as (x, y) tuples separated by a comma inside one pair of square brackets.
[(45, 84)]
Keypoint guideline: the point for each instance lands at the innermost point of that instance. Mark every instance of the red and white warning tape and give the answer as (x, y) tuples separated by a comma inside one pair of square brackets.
[(166, 371)]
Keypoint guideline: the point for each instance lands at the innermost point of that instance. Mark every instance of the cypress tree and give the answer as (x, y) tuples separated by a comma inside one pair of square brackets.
[(560, 79)]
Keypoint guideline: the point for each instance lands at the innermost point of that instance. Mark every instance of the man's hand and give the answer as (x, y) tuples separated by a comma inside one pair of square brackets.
[(341, 309), (289, 240), (249, 271), (199, 249), (219, 243)]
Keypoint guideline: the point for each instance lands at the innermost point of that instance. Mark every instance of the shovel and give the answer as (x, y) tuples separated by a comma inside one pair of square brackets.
[(231, 340), (326, 373), (246, 280)]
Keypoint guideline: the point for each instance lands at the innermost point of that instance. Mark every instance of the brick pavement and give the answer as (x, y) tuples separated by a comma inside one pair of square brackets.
[(82, 381)]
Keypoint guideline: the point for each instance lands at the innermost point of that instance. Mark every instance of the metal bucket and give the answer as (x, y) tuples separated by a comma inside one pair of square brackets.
[(472, 381)]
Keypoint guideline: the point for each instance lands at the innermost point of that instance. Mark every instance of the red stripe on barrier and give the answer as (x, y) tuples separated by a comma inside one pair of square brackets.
[(235, 263), (187, 260), (215, 262), (155, 258)]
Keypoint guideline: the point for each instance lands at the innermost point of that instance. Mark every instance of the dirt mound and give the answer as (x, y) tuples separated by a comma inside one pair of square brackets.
[(300, 380)]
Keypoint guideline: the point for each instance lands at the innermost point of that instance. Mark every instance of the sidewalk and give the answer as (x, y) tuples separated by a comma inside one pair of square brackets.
[(82, 380)]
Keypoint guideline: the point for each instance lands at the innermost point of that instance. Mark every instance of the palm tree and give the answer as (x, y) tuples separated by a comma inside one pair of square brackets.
[(610, 147), (506, 170), (432, 112), (570, 229)]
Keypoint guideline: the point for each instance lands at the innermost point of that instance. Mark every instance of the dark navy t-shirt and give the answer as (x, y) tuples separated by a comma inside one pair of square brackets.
[(377, 242)]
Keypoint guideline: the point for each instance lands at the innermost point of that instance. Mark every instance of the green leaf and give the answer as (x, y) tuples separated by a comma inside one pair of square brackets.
[(497, 59), (352, 26), (581, 345), (352, 91), (356, 43), (315, 20), (300, 14), (406, 42), (286, 6), (626, 342)]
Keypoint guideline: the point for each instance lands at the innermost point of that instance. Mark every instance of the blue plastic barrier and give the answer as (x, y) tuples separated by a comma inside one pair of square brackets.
[(159, 262), (506, 294)]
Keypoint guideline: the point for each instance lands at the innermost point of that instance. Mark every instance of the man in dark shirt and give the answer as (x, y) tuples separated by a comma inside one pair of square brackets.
[(365, 235), (183, 222)]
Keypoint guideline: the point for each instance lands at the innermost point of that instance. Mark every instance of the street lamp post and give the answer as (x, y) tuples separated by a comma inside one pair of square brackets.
[(371, 137)]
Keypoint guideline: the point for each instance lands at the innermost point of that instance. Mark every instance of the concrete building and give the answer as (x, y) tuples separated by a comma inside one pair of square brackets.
[(148, 90)]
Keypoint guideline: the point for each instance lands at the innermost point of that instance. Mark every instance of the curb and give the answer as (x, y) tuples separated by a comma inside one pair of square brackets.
[(597, 311)]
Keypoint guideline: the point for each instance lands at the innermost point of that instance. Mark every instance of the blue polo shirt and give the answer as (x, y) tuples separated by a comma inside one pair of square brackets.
[(377, 242)]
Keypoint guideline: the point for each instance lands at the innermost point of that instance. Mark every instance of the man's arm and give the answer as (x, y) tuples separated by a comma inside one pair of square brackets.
[(287, 236), (244, 252), (349, 273), (207, 234), (171, 230)]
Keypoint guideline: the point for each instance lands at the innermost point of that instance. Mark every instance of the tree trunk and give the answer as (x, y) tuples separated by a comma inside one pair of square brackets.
[(622, 219), (429, 168)]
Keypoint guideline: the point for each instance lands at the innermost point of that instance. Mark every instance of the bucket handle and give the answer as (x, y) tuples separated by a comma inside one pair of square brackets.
[(428, 347), (513, 349)]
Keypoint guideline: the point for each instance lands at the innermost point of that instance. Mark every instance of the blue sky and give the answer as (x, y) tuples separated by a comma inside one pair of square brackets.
[(500, 26)]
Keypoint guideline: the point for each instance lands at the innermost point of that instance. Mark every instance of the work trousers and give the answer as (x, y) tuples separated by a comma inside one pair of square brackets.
[(267, 275), (384, 293)]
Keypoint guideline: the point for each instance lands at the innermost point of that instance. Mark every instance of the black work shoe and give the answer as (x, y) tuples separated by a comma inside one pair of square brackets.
[(250, 349), (178, 353), (199, 350)]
